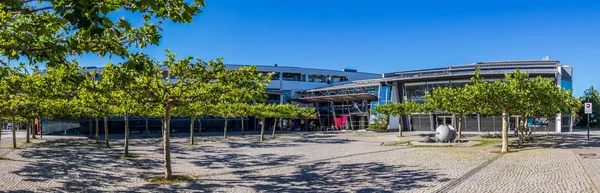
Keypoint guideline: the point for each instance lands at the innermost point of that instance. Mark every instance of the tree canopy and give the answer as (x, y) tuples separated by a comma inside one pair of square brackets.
[(52, 31), (176, 82)]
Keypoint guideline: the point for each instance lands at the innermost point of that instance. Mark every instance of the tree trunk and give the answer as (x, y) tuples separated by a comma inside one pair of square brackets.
[(166, 144), (146, 126), (262, 130), (106, 130), (34, 129), (274, 127), (225, 130), (126, 135), (460, 120), (97, 132), (242, 123), (1, 129), (14, 133), (505, 132), (400, 127), (27, 127), (192, 130)]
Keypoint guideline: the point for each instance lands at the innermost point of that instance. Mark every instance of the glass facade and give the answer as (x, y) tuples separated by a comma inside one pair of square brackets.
[(470, 123), (416, 93), (272, 99), (294, 76), (566, 84), (317, 78), (287, 96), (274, 75), (339, 78), (420, 122)]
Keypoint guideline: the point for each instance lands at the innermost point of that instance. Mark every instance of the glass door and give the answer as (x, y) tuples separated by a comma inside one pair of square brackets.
[(444, 120)]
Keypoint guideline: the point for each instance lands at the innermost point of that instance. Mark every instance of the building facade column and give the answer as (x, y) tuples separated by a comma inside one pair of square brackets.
[(558, 126), (394, 120)]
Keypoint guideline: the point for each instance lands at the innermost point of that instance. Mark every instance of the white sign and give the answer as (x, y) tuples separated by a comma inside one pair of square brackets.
[(588, 108)]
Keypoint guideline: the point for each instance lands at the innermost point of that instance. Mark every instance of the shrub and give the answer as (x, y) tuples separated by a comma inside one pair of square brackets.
[(379, 123)]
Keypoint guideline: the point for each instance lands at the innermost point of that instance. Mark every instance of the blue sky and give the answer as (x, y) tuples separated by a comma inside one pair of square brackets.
[(385, 36)]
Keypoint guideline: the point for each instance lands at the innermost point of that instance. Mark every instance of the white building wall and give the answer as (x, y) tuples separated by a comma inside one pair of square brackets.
[(393, 122)]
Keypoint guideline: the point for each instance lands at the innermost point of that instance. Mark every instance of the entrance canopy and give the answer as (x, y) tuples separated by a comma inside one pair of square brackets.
[(338, 98), (340, 93)]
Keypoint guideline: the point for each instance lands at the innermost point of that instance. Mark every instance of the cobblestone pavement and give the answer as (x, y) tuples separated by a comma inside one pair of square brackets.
[(6, 141), (299, 162)]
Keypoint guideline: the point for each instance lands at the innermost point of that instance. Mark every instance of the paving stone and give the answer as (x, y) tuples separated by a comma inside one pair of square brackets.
[(314, 162)]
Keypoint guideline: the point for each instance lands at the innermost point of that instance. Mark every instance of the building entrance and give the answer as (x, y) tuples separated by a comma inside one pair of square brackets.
[(444, 120)]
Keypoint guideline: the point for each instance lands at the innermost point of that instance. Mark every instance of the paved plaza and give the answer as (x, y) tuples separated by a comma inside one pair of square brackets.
[(305, 162)]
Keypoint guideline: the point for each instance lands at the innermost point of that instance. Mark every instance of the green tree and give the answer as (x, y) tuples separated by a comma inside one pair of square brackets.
[(193, 81), (51, 31), (148, 111), (399, 109), (13, 97), (283, 111), (594, 97), (242, 111), (518, 94), (96, 97), (188, 111), (5, 71), (225, 111), (201, 109), (306, 113), (457, 100), (262, 112)]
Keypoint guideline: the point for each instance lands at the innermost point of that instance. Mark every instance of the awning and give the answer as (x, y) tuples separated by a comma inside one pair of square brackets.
[(338, 98)]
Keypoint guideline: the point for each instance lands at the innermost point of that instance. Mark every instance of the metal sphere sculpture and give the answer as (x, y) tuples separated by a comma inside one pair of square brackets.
[(445, 133)]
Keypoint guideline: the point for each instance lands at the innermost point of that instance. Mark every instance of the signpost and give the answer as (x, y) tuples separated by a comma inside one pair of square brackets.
[(588, 110)]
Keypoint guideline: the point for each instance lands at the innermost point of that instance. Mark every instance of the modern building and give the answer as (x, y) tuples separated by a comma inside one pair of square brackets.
[(345, 98), (349, 105), (286, 82)]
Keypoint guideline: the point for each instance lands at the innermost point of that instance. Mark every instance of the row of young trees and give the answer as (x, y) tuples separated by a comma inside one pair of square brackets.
[(138, 87), (517, 94), (54, 33)]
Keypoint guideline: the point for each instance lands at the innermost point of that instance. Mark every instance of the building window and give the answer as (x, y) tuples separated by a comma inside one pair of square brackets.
[(459, 84), (432, 86), (274, 75), (339, 78), (294, 76), (97, 76), (416, 93), (317, 78), (165, 74), (272, 99), (287, 96)]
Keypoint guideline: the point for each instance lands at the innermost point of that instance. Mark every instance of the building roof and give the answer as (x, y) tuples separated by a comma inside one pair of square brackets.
[(486, 65), (338, 98), (536, 67), (353, 84)]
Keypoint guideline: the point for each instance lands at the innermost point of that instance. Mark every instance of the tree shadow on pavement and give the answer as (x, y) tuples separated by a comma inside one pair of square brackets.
[(328, 177), (77, 166), (562, 141), (243, 161)]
